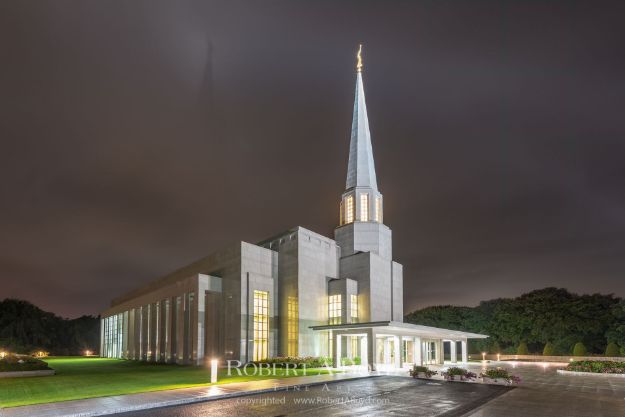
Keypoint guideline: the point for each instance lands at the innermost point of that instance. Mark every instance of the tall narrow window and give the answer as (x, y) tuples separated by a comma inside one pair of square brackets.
[(167, 330), (292, 325), (341, 215), (364, 207), (349, 209), (334, 309), (261, 324), (354, 308), (120, 334), (378, 209)]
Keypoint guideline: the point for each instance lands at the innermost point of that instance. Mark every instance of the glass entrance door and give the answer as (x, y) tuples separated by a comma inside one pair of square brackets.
[(408, 351), (429, 348)]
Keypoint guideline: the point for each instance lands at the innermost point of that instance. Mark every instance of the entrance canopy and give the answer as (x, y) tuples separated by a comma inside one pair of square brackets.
[(396, 344), (397, 327)]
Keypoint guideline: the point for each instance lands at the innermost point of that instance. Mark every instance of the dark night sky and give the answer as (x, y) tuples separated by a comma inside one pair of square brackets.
[(138, 136)]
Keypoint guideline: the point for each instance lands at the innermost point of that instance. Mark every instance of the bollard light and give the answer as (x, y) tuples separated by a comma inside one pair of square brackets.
[(214, 368), (498, 356), (483, 356)]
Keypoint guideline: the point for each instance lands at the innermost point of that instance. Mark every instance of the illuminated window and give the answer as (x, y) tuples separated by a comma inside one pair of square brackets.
[(364, 207), (113, 336), (292, 325), (349, 209), (334, 312), (261, 324), (354, 308), (378, 209), (341, 215)]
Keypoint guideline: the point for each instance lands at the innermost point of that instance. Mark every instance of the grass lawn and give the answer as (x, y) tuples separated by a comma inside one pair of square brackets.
[(79, 377)]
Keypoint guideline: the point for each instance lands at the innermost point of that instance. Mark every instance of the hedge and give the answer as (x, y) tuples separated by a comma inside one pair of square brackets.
[(18, 363), (597, 367), (297, 362)]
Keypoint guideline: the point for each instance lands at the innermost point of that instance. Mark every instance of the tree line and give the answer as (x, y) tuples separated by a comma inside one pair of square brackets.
[(25, 328), (551, 319)]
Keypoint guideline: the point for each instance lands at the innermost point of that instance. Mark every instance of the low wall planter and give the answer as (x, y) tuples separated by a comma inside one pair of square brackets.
[(599, 374), (422, 375), (23, 374), (542, 358), (498, 381)]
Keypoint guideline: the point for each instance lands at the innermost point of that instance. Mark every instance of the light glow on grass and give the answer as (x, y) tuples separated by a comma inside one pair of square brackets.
[(88, 377)]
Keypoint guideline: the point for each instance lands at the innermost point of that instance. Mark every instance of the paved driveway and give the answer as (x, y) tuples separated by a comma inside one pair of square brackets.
[(377, 396), (544, 392)]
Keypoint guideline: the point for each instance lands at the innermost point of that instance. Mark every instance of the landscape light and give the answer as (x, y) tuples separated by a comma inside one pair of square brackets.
[(483, 356), (87, 353), (498, 355), (214, 368), (2, 355)]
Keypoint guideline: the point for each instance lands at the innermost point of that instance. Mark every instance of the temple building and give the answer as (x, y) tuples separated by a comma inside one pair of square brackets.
[(295, 294)]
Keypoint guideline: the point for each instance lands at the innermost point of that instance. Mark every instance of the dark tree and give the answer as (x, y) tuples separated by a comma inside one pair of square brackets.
[(25, 328), (536, 318)]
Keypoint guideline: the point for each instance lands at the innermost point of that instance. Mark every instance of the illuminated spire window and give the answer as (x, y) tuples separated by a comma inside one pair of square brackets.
[(349, 209), (341, 215), (378, 209), (364, 207)]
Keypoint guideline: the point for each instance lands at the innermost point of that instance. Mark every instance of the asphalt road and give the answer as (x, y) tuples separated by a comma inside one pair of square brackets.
[(397, 396)]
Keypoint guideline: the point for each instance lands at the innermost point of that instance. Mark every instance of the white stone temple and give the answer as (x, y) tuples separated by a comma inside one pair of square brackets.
[(296, 294)]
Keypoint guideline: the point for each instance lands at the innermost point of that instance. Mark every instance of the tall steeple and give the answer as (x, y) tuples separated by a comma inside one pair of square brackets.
[(361, 201), (360, 168)]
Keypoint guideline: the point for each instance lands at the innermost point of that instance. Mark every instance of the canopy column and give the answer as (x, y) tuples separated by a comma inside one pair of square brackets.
[(452, 351), (464, 350), (418, 356)]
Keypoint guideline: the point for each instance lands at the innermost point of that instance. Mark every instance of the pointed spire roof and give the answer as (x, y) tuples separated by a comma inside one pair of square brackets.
[(360, 169)]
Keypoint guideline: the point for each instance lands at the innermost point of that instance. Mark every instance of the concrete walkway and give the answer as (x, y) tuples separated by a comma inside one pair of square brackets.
[(132, 402), (544, 392)]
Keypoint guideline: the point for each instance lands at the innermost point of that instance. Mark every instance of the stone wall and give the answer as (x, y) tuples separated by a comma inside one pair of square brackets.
[(541, 358)]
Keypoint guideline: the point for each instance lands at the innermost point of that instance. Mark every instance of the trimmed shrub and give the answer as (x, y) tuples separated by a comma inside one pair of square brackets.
[(549, 349), (598, 367), (297, 362), (18, 363), (522, 349), (510, 350), (612, 350), (579, 349), (424, 370), (351, 361), (454, 371), (495, 348), (500, 373)]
